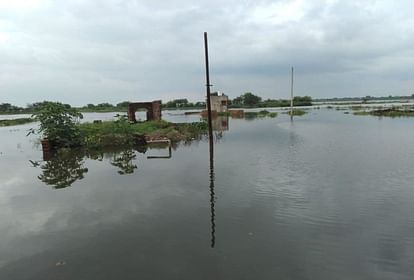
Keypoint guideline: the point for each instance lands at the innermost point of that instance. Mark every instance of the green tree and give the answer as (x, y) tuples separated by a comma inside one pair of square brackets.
[(105, 105), (58, 123), (302, 101), (123, 104), (247, 99)]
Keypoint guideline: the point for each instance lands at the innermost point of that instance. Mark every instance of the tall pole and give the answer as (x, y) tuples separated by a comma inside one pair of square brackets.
[(208, 85), (211, 146), (291, 96)]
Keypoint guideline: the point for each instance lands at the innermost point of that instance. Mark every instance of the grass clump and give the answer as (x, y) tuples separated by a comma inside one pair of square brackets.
[(393, 113), (260, 114), (296, 112), (18, 121), (361, 113)]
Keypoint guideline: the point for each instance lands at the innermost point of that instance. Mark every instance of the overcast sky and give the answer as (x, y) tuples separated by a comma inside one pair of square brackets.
[(90, 51)]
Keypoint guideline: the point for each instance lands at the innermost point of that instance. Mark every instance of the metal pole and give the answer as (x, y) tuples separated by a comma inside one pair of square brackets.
[(291, 97), (208, 85)]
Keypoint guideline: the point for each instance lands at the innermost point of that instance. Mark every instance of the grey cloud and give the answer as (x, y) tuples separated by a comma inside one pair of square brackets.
[(88, 51)]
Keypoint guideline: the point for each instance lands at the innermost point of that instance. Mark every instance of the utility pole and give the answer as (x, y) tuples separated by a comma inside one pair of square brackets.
[(211, 146), (291, 97), (208, 85)]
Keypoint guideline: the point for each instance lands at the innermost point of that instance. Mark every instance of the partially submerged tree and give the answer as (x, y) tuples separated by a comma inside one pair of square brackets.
[(58, 123)]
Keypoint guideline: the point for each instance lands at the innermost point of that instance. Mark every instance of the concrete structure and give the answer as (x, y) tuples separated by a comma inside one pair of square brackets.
[(219, 102), (153, 110)]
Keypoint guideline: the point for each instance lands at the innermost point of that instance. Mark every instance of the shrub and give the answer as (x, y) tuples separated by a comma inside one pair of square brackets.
[(58, 123)]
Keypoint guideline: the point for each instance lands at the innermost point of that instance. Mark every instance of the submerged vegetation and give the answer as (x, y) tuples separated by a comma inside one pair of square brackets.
[(18, 121), (296, 112), (260, 114), (392, 112), (123, 133)]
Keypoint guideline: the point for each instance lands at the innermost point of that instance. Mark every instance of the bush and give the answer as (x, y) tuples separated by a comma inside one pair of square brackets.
[(58, 123)]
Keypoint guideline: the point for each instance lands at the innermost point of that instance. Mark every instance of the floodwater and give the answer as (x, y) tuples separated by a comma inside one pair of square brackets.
[(327, 196)]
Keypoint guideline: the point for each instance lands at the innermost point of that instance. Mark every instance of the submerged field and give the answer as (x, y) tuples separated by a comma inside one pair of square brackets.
[(14, 122), (325, 196)]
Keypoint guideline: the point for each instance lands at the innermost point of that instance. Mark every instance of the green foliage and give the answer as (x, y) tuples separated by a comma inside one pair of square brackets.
[(7, 108), (393, 113), (123, 104), (183, 103), (16, 121), (58, 123), (247, 99), (102, 107), (274, 103), (361, 113), (122, 133), (250, 100), (302, 101), (296, 112), (260, 114)]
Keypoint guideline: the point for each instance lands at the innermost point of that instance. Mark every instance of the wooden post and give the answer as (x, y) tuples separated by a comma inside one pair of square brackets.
[(291, 96), (210, 126)]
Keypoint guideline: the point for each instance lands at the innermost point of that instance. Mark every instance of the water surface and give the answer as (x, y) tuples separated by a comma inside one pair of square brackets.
[(327, 196)]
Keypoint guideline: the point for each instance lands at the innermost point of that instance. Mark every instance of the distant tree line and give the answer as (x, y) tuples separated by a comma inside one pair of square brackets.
[(245, 100), (248, 99), (7, 108), (183, 103), (366, 98)]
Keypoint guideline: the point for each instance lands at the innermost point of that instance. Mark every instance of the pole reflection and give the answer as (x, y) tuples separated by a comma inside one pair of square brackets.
[(212, 194)]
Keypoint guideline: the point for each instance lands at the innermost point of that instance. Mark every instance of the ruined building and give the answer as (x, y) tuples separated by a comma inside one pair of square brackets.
[(219, 102), (153, 110)]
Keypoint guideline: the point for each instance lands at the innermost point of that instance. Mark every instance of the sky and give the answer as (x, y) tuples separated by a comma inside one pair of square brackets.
[(85, 51)]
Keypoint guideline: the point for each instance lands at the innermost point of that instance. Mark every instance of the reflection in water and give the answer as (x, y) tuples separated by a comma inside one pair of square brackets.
[(123, 161), (212, 198), (66, 166), (63, 169), (220, 123), (159, 144)]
